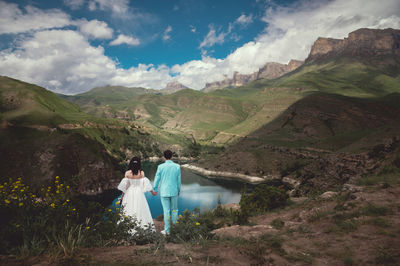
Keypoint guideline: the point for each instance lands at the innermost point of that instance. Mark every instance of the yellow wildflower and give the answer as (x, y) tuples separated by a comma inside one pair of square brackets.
[(193, 214), (73, 209), (22, 190), (20, 204), (58, 192), (53, 205), (67, 200), (117, 203), (19, 178), (17, 225), (57, 177), (197, 223), (87, 227), (7, 201), (109, 210), (1, 186), (67, 187)]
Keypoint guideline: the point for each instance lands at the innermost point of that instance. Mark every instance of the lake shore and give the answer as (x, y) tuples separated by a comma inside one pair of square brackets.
[(227, 175)]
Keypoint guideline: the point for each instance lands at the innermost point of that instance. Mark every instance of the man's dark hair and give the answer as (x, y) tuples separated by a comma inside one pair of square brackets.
[(168, 154)]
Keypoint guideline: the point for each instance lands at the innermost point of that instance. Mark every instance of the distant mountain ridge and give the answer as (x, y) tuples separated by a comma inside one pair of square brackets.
[(360, 43), (268, 71), (173, 87)]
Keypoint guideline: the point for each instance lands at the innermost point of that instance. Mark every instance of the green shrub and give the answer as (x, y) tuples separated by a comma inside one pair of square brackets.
[(191, 227), (51, 219), (263, 198)]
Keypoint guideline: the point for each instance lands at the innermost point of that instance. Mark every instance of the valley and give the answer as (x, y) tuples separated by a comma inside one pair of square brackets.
[(341, 104)]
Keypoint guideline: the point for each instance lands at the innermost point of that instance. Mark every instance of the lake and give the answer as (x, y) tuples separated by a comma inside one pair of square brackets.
[(196, 191)]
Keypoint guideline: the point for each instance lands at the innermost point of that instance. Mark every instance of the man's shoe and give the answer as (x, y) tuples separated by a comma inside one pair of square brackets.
[(164, 233)]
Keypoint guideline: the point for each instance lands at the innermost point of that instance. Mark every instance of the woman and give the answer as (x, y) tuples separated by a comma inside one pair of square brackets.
[(134, 202)]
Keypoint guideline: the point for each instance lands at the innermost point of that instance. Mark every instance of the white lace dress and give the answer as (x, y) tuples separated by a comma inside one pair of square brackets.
[(134, 202)]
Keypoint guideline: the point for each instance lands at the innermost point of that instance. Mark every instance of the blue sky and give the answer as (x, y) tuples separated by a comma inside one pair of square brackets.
[(71, 46)]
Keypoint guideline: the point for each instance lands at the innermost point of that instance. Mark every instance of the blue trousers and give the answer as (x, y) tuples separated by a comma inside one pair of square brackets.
[(170, 207)]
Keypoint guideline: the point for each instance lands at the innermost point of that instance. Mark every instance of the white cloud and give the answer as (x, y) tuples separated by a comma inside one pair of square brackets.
[(117, 7), (74, 4), (166, 36), (51, 59), (244, 20), (213, 37), (64, 61), (289, 34), (15, 20), (124, 39), (96, 29), (192, 28)]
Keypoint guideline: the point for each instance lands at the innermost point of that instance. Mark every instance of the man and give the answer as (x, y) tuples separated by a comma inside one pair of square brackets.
[(169, 177)]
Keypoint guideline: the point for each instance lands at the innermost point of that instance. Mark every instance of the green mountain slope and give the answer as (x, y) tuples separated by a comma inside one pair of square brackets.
[(223, 116), (44, 136), (320, 142), (107, 95), (359, 77)]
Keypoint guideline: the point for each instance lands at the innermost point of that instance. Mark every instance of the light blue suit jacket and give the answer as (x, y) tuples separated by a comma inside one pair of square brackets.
[(168, 176)]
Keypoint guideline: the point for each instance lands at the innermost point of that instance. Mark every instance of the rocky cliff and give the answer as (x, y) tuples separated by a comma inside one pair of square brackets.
[(173, 87), (360, 43), (268, 71)]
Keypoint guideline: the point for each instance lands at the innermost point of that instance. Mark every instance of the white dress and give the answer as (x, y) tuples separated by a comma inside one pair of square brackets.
[(134, 202)]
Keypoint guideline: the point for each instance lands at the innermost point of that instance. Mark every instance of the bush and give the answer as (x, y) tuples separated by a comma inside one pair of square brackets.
[(51, 219), (264, 198), (191, 227)]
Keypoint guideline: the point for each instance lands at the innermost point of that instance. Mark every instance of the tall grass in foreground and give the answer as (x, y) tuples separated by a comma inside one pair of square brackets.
[(52, 220)]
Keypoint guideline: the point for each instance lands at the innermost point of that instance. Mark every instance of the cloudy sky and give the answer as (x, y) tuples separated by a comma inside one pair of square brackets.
[(71, 46)]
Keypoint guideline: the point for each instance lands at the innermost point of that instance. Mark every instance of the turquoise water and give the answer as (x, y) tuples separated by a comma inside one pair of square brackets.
[(196, 191)]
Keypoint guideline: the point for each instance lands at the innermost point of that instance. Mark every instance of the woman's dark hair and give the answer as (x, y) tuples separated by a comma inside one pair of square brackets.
[(135, 166), (168, 154)]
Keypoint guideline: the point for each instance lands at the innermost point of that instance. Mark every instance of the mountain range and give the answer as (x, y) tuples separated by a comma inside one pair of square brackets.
[(268, 71), (315, 124)]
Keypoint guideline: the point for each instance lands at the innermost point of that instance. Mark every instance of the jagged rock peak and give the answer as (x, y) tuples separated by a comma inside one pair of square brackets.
[(362, 42), (173, 87), (269, 71)]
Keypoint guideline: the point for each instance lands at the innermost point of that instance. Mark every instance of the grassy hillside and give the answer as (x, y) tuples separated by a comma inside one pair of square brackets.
[(224, 116), (44, 136), (26, 104), (107, 95), (219, 117), (358, 77), (321, 141)]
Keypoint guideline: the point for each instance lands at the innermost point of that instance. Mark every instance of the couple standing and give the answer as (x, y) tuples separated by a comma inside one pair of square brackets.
[(167, 181)]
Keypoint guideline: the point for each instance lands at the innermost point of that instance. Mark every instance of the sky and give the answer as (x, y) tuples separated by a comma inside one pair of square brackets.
[(72, 46)]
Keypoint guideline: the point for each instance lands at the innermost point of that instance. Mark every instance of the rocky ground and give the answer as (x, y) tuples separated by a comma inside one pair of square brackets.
[(356, 226)]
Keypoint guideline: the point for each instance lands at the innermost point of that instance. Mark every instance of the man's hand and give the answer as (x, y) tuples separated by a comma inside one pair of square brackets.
[(153, 193)]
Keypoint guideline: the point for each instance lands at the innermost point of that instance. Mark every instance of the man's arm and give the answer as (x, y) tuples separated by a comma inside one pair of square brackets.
[(179, 180), (157, 180)]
